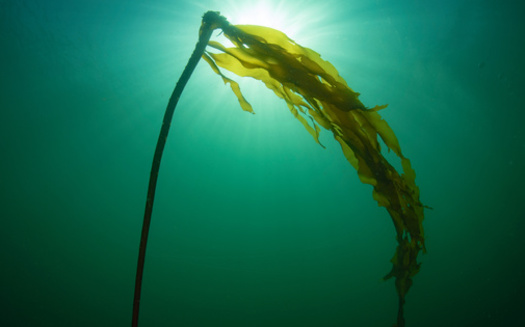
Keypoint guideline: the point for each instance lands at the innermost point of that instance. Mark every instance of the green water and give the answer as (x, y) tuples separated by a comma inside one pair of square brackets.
[(254, 223)]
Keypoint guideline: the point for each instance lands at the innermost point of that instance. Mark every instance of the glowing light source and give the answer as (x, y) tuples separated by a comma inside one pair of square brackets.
[(266, 13), (290, 17)]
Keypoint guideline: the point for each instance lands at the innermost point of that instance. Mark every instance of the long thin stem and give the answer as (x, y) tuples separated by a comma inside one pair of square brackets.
[(208, 25), (400, 317)]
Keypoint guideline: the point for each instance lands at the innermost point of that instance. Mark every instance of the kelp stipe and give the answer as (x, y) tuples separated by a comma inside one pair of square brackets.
[(319, 98), (210, 21)]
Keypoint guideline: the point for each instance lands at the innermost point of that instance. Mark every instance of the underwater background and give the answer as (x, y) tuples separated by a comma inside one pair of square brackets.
[(254, 223)]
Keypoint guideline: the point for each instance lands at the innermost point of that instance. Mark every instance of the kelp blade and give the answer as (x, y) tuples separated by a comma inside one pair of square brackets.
[(318, 97)]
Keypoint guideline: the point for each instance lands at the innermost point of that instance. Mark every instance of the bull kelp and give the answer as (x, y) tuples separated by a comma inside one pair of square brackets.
[(320, 99)]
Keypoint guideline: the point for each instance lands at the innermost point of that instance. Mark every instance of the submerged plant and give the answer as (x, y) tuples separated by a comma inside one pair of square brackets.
[(320, 99)]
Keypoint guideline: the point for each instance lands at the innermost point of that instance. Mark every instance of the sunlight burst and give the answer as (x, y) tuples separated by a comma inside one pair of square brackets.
[(297, 19), (265, 13)]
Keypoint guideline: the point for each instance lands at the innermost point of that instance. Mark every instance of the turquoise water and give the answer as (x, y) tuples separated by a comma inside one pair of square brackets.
[(254, 223)]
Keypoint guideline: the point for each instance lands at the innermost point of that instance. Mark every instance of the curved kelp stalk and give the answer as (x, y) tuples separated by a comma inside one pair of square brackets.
[(320, 99)]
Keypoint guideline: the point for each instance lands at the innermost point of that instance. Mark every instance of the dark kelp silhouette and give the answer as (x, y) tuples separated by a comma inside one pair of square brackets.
[(318, 97)]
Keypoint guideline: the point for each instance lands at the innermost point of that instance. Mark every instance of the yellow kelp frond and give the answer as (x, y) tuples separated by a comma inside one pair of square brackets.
[(245, 105), (318, 97)]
